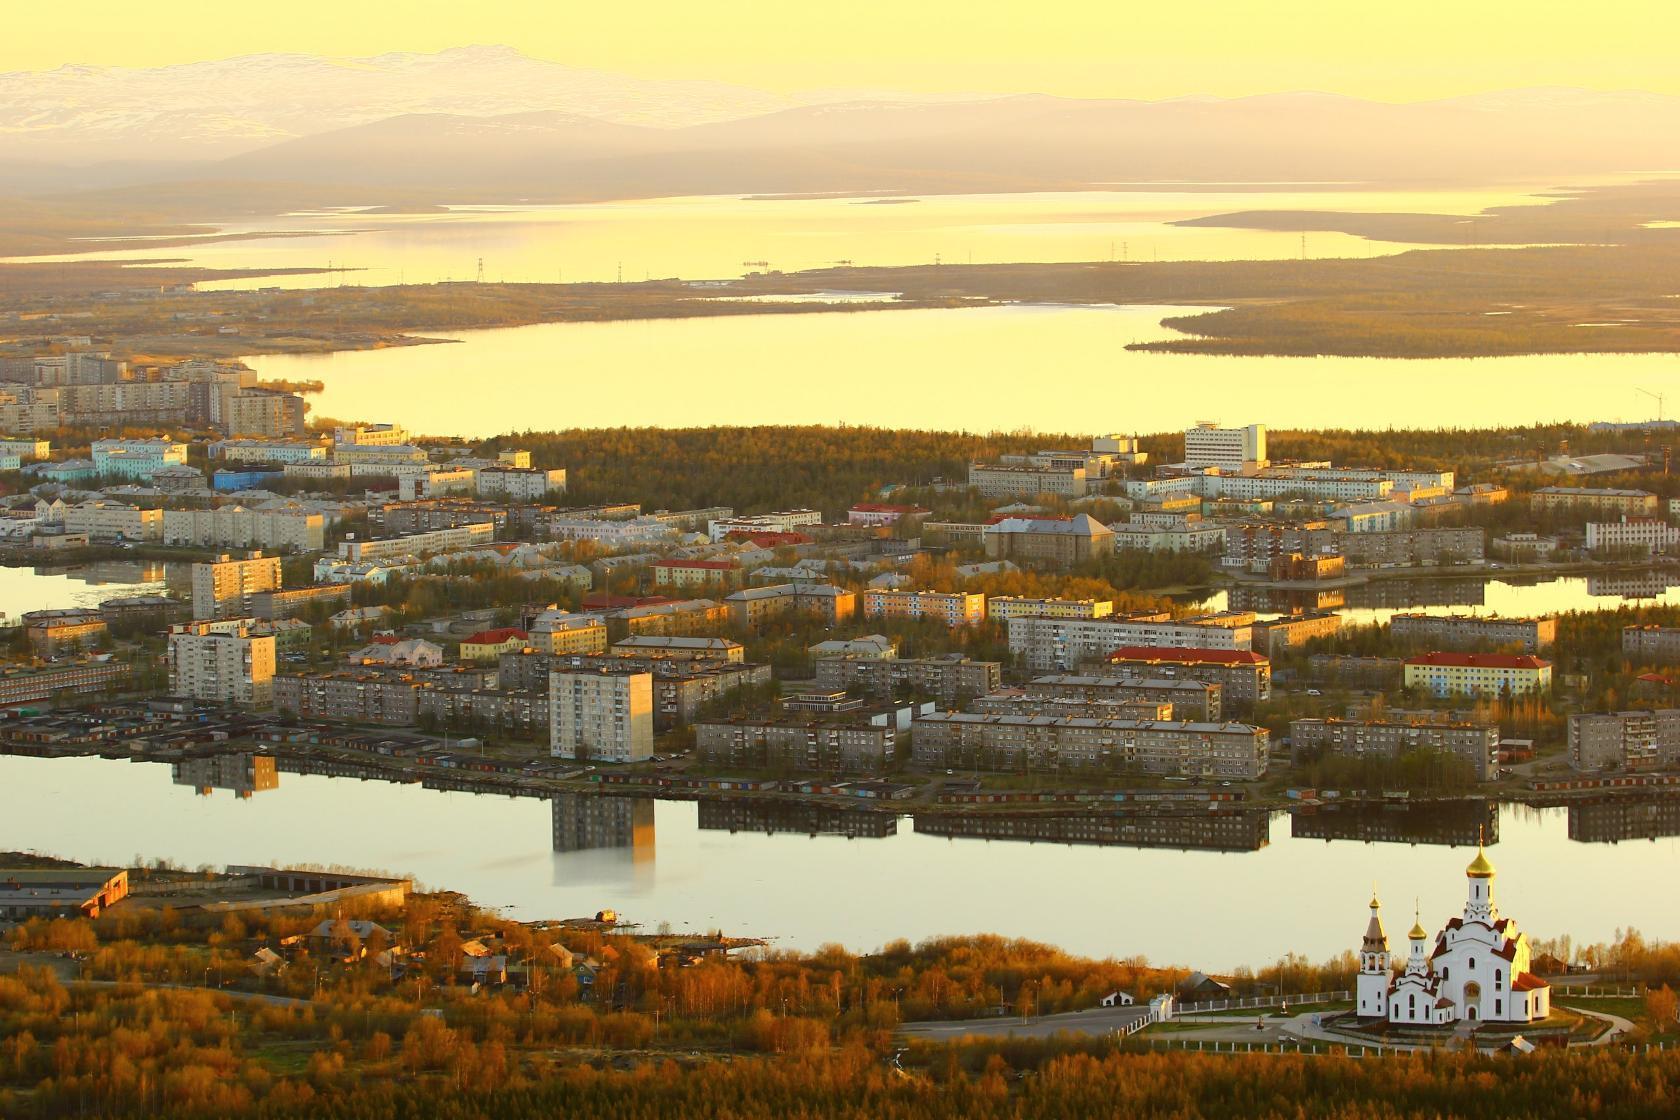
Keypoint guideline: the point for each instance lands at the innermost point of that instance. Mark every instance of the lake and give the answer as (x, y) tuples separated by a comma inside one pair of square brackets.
[(714, 237), (1053, 368), (1376, 602), (35, 589), (1304, 887)]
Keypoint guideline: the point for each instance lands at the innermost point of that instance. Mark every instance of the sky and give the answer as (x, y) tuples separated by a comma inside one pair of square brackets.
[(1397, 51)]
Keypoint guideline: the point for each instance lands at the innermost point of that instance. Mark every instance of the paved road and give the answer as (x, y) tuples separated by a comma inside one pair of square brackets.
[(1097, 1020), (231, 993)]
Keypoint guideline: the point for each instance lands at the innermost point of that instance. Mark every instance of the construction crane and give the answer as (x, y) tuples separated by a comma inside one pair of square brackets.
[(1658, 397)]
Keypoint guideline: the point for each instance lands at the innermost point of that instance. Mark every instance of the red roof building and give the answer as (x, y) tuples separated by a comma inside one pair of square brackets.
[(1480, 660), (1189, 655)]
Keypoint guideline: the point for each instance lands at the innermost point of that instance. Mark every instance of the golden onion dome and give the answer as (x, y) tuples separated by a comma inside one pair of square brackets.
[(1479, 867)]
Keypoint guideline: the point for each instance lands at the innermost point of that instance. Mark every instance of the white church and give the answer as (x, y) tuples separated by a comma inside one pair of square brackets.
[(1477, 969)]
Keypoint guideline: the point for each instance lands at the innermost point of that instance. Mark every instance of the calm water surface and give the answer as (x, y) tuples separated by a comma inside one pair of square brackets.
[(1053, 368), (1209, 909), (33, 589), (721, 236)]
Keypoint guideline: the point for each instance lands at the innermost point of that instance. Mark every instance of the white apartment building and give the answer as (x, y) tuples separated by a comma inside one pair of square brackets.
[(1375, 517), (1233, 449), (137, 458), (783, 521), (26, 449), (419, 544), (600, 716), (1632, 535), (521, 484), (1048, 645), (113, 521), (268, 451), (999, 480), (222, 661), (1005, 607), (238, 526), (317, 470), (1186, 537), (223, 588), (953, 608), (437, 482), (371, 435), (1265, 484)]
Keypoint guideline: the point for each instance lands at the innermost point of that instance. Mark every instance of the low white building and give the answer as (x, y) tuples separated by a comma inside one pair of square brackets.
[(1641, 535)]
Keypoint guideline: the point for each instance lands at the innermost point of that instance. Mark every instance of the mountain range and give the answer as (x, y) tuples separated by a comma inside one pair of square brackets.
[(491, 124)]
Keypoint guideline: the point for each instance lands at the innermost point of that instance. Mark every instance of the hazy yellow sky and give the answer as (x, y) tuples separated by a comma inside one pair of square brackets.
[(1400, 50)]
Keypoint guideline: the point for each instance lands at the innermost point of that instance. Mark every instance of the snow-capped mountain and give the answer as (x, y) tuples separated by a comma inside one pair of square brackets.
[(210, 110)]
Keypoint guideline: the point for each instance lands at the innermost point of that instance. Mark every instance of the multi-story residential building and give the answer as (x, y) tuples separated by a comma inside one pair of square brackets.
[(26, 449), (1405, 481), (1331, 487), (25, 409), (413, 545), (1232, 449), (371, 435), (881, 513), (22, 685), (680, 687), (1581, 499), (1470, 632), (696, 573), (135, 403), (1478, 674), (225, 587), (1477, 744), (1522, 548), (806, 744), (1644, 740), (753, 605), (269, 451), (1640, 536), (1048, 644), (380, 458), (436, 482), (1188, 536), (1200, 751), (264, 413), (51, 632), (1005, 607), (221, 661), (1015, 702), (280, 528), (600, 715), (1048, 540), (996, 480), (319, 470), (136, 458), (114, 521), (521, 484), (953, 680), (269, 605), (683, 617), (867, 646), (1244, 677), (783, 521), (1375, 517), (489, 645), (953, 608), (1651, 645), (1107, 457), (1291, 631), (1407, 547), (444, 513), (558, 631), (674, 648), (503, 711), (1190, 699)]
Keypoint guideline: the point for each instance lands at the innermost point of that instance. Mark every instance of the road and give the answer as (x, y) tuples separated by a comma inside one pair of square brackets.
[(1096, 1020)]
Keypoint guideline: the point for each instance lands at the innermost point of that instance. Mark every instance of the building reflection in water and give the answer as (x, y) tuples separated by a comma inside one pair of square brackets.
[(1245, 831), (243, 774), (1277, 600), (1455, 823), (1606, 822), (799, 819), (1631, 585), (585, 822)]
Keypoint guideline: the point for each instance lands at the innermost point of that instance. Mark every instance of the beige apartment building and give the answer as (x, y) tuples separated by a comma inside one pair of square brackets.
[(953, 608), (221, 661), (112, 521), (238, 526), (1005, 607), (225, 587), (753, 605), (998, 481), (1048, 540), (419, 544), (1583, 499), (599, 715)]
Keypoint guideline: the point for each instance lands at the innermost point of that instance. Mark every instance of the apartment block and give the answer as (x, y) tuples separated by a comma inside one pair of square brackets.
[(680, 688), (953, 609), (289, 604), (601, 716), (1190, 699), (269, 451), (1244, 677), (1279, 635), (1641, 536), (1048, 540), (676, 573), (224, 588), (753, 605), (264, 413), (282, 529), (1581, 499), (1199, 751), (137, 458), (1233, 449), (114, 521), (1049, 644), (19, 685), (426, 515), (52, 631), (1002, 608), (1478, 674), (782, 521), (996, 480), (413, 545), (952, 680), (1630, 741), (788, 742), (1475, 743), (1651, 645), (520, 484), (1469, 632), (221, 661), (436, 482), (558, 631)]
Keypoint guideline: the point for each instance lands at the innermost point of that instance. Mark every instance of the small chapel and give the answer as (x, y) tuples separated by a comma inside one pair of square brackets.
[(1475, 969)]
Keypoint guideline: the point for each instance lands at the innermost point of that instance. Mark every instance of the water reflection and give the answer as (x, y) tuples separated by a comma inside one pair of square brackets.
[(1376, 602), (1606, 822), (801, 818), (35, 589), (1247, 831), (589, 822), (1458, 823), (243, 774)]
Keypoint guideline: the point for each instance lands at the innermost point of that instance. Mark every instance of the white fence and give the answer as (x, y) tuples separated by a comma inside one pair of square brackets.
[(1258, 1002)]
